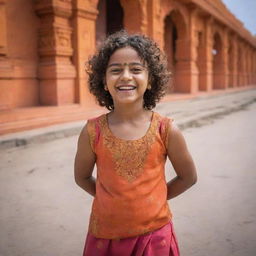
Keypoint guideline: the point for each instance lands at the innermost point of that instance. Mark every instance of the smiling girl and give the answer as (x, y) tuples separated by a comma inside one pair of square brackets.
[(129, 145)]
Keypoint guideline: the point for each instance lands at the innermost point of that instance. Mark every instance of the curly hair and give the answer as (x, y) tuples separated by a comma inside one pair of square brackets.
[(148, 51)]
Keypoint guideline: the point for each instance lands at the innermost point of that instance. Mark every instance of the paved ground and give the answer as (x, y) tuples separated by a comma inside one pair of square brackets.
[(43, 212)]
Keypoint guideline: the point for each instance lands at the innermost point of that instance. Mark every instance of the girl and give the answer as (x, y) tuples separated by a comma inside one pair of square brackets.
[(130, 214)]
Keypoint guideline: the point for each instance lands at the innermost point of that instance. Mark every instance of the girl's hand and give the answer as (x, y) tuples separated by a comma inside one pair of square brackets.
[(182, 163)]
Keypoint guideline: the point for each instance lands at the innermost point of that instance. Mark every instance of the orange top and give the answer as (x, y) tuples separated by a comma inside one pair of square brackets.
[(131, 191)]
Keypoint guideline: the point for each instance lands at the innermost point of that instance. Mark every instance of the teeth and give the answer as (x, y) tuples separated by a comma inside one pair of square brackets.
[(126, 87)]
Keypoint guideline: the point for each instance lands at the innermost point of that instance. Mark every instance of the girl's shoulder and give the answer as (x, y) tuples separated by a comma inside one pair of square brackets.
[(164, 124), (95, 122), (96, 119), (93, 129), (162, 118)]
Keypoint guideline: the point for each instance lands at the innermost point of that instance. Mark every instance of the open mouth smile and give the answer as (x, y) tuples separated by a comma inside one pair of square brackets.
[(126, 87)]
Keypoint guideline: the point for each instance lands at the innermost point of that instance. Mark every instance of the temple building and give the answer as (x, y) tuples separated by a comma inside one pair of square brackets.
[(44, 45)]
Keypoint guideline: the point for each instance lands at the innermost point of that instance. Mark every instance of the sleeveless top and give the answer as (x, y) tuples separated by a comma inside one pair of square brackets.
[(131, 190)]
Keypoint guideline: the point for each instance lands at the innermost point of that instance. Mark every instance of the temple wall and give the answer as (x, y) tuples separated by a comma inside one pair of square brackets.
[(19, 62)]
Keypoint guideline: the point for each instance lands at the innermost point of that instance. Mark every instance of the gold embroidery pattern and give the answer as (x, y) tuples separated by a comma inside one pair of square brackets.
[(99, 245), (150, 199), (129, 155), (142, 231), (163, 242), (94, 225), (92, 133), (165, 131)]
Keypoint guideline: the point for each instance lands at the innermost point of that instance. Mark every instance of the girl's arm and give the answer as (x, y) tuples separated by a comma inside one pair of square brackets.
[(84, 164), (182, 163)]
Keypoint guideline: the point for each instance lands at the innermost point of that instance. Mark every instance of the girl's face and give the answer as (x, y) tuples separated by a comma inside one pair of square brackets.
[(126, 77)]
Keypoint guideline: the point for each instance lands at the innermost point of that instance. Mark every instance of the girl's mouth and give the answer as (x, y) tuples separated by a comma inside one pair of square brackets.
[(126, 88)]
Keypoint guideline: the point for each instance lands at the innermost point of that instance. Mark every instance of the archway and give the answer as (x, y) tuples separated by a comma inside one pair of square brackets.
[(109, 20), (170, 39), (217, 61), (174, 34)]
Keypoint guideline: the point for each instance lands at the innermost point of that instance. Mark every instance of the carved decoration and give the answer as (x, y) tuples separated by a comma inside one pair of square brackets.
[(87, 14), (55, 34), (3, 35), (63, 38), (143, 7), (62, 8), (93, 3)]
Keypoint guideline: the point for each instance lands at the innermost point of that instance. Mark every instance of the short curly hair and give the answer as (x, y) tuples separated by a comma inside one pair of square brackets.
[(148, 51)]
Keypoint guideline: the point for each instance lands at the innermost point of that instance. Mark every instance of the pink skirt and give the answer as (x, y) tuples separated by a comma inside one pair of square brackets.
[(160, 242)]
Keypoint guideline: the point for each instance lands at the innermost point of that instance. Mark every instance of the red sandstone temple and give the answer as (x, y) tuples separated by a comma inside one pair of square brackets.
[(44, 45)]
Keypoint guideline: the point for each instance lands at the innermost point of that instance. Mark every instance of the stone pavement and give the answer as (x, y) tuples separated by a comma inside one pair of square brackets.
[(187, 113)]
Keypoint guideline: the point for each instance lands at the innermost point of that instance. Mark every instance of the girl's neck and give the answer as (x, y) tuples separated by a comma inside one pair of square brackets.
[(129, 113)]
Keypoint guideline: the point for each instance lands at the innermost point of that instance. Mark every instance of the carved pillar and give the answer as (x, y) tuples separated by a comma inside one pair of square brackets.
[(243, 63), (254, 66), (230, 61), (135, 16), (251, 65), (3, 35), (155, 22), (201, 60), (253, 71), (234, 64), (186, 71), (223, 75), (6, 68), (247, 65), (56, 72), (84, 22), (239, 64), (206, 57)]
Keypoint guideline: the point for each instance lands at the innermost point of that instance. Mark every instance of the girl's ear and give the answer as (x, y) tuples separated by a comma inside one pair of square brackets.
[(149, 86)]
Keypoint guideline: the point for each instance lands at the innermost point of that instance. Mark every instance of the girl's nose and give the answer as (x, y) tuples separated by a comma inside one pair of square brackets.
[(126, 75)]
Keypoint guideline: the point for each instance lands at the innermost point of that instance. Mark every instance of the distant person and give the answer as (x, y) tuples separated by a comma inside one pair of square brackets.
[(129, 145)]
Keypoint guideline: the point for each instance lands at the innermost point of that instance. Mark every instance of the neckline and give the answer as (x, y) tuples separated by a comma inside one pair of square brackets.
[(111, 134)]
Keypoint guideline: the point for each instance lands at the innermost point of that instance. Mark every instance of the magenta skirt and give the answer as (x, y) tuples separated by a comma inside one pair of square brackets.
[(161, 242)]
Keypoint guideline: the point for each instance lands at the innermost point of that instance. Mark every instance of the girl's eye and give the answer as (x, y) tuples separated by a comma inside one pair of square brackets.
[(136, 70), (116, 70)]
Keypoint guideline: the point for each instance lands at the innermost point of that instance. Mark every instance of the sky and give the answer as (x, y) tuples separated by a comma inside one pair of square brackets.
[(245, 11)]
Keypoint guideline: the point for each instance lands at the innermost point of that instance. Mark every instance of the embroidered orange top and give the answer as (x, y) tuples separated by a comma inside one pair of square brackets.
[(131, 191)]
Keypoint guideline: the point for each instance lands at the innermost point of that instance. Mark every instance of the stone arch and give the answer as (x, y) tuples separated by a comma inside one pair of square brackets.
[(110, 19), (217, 52), (179, 12), (175, 33)]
